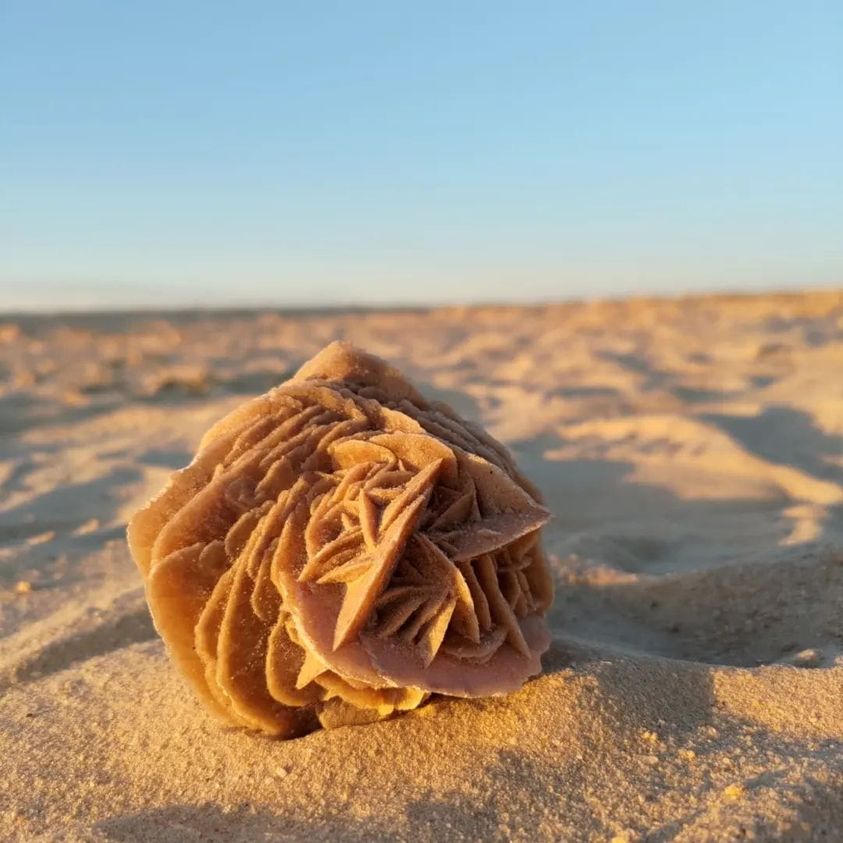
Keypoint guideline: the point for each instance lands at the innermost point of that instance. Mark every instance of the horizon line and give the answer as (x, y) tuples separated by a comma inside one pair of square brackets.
[(309, 309)]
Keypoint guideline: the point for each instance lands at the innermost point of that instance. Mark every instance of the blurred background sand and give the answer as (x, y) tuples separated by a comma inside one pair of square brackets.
[(691, 451)]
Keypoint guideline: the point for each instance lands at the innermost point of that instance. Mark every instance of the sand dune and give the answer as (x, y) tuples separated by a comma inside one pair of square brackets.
[(692, 453)]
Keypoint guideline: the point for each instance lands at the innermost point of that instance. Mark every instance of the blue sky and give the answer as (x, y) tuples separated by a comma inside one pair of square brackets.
[(311, 152)]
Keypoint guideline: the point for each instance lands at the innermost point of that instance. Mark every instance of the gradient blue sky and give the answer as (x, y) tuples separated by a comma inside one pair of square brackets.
[(210, 153)]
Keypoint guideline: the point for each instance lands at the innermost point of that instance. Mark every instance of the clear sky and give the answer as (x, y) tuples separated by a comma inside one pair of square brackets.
[(177, 153)]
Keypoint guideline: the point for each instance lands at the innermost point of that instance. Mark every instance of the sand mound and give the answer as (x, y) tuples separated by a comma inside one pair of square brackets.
[(691, 452)]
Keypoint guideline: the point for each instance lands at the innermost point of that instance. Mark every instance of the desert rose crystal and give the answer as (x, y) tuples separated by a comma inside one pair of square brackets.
[(341, 548)]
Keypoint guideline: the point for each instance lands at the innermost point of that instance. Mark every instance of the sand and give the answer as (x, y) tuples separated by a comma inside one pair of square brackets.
[(691, 451)]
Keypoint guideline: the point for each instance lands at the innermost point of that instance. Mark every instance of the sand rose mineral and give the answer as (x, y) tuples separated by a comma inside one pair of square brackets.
[(341, 548)]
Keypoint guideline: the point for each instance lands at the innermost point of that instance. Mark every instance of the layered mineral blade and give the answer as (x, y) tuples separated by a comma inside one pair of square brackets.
[(339, 549)]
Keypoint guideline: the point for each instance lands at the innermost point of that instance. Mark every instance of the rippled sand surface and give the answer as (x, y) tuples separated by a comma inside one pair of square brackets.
[(691, 451)]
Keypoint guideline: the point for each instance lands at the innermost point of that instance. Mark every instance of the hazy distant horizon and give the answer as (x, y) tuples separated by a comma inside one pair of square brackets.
[(81, 306)]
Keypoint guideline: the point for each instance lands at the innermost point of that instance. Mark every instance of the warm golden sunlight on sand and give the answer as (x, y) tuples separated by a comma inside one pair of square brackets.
[(690, 453)]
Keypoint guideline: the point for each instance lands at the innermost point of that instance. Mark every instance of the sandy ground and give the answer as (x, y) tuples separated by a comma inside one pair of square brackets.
[(692, 454)]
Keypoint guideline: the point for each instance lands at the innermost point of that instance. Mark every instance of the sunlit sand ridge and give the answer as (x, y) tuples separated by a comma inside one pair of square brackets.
[(691, 455)]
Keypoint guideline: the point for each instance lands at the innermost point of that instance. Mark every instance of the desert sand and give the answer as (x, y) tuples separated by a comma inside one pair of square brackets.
[(691, 451)]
